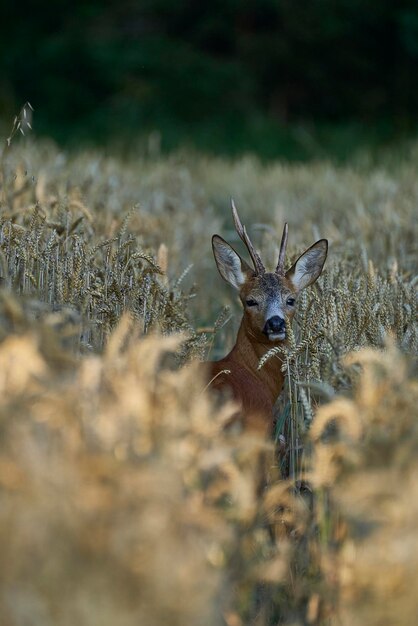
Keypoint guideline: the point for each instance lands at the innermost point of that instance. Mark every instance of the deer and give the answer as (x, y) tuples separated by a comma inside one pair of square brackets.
[(269, 303)]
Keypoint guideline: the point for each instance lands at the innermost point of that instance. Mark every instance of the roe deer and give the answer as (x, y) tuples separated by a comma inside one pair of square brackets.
[(269, 299)]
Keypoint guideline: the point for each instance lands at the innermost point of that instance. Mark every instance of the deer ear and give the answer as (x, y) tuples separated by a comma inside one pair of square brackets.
[(308, 267), (231, 267)]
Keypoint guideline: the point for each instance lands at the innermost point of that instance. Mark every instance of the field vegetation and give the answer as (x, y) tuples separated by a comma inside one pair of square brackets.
[(123, 501)]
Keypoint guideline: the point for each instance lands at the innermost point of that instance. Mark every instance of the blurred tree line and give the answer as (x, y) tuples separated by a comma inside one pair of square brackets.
[(225, 73)]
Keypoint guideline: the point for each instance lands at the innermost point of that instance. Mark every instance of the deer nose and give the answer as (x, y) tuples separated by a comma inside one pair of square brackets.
[(275, 324)]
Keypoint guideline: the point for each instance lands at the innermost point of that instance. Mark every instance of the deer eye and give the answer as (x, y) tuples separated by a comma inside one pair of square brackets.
[(290, 301), (251, 302)]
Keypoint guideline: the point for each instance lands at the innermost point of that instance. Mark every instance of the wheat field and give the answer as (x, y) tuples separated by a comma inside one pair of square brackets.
[(123, 500)]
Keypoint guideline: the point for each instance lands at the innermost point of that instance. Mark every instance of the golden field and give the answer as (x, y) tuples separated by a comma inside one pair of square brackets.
[(123, 501)]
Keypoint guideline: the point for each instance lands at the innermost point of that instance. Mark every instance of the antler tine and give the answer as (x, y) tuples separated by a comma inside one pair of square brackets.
[(282, 253), (242, 232)]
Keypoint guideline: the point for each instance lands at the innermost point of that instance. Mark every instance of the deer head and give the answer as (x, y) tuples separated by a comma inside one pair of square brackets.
[(268, 298)]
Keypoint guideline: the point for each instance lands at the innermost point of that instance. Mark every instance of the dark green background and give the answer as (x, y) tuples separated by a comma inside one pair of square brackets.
[(285, 78)]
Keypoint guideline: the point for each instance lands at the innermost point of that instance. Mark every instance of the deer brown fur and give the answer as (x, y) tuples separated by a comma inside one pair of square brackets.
[(268, 299)]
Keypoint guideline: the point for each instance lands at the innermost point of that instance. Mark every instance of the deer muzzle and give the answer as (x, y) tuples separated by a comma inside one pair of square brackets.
[(275, 328)]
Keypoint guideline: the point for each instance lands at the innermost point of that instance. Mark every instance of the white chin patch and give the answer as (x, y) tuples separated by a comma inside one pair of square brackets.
[(277, 336)]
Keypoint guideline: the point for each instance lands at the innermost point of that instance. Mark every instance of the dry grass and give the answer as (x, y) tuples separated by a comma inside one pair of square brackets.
[(368, 471), (122, 499)]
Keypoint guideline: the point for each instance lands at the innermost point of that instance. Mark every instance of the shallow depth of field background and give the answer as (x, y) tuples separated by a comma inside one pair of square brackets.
[(122, 499), (284, 79)]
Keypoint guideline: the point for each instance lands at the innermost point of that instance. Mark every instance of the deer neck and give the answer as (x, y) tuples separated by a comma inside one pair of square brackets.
[(248, 351)]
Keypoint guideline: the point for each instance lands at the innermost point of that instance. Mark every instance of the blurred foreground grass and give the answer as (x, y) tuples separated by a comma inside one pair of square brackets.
[(123, 501)]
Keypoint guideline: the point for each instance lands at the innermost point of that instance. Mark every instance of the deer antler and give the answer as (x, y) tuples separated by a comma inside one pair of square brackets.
[(242, 232), (282, 253)]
